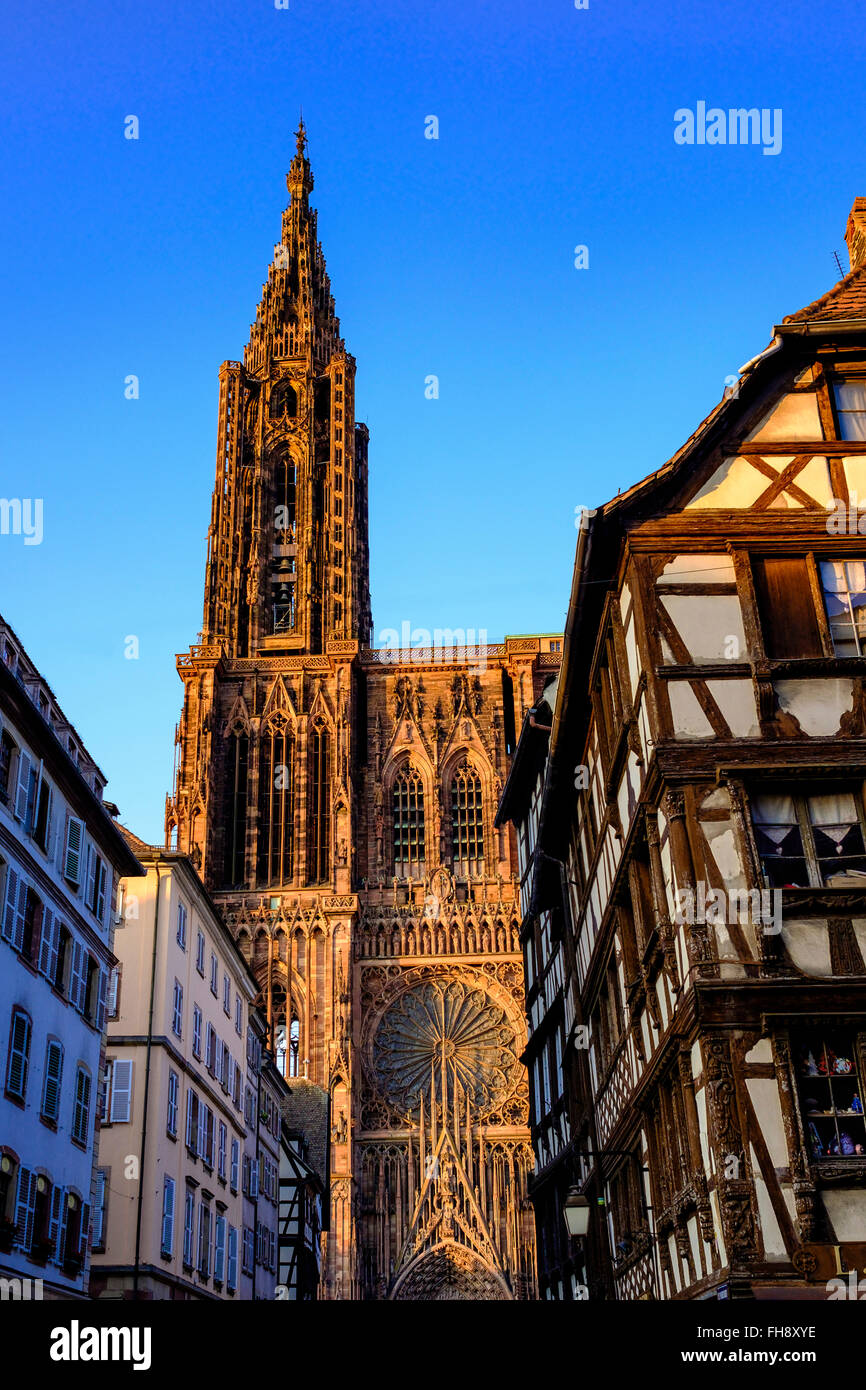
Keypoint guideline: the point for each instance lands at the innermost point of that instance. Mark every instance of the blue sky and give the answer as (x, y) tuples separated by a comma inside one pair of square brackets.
[(452, 257)]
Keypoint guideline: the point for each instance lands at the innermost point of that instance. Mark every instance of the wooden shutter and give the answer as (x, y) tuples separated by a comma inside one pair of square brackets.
[(84, 1235), (171, 1113), (168, 1216), (81, 1118), (192, 1121), (219, 1248), (25, 1208), (99, 907), (101, 1005), (787, 607), (12, 882), (49, 944), (15, 916), (121, 1091), (25, 767), (58, 1205), (53, 1080), (99, 1211), (19, 1052), (42, 827), (232, 1279), (73, 850), (113, 987), (78, 976)]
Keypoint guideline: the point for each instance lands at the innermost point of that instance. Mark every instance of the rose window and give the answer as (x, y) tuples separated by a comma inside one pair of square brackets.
[(449, 1029)]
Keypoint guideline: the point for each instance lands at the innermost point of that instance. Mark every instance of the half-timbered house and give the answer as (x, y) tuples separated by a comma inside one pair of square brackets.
[(700, 838)]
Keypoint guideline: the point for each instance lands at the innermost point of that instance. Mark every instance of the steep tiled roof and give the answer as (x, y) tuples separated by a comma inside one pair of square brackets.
[(137, 845), (846, 300)]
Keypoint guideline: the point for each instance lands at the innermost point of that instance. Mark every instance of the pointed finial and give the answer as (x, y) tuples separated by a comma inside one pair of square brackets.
[(299, 178)]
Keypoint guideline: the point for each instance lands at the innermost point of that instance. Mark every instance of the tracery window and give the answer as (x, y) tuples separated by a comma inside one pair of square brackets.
[(292, 1056), (236, 827), (285, 488), (283, 579), (284, 400), (276, 803), (287, 1044), (407, 801), (467, 820), (319, 804), (283, 604)]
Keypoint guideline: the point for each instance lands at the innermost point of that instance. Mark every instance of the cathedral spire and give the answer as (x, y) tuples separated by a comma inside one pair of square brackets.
[(287, 550), (300, 177)]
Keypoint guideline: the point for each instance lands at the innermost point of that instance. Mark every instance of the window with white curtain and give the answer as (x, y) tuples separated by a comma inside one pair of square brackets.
[(844, 585), (814, 841), (851, 409)]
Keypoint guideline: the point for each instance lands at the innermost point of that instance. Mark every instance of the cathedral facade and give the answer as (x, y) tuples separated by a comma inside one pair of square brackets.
[(339, 802)]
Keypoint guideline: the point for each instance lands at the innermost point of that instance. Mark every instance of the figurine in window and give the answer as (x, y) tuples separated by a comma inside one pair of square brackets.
[(809, 1066), (856, 1104), (841, 1065), (812, 1105), (817, 1146), (843, 1145)]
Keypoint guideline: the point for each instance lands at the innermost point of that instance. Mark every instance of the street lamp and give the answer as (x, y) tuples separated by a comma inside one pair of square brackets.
[(576, 1212)]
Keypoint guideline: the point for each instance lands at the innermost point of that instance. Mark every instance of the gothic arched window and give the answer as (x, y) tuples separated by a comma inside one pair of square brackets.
[(274, 861), (285, 488), (319, 802), (284, 400), (407, 801), (237, 756), (294, 1048), (467, 820)]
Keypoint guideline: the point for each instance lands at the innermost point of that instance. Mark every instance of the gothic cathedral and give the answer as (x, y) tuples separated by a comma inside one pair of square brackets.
[(339, 802)]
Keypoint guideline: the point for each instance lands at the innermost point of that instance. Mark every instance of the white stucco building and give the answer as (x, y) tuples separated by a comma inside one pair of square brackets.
[(60, 858), (188, 1164)]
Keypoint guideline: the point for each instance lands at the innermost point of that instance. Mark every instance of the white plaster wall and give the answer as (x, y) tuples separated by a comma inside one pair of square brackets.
[(846, 1208), (736, 700), (794, 416), (707, 623), (818, 704), (734, 485), (809, 946), (689, 720)]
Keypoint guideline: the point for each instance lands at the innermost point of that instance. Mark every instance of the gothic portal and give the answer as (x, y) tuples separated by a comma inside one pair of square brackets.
[(340, 806)]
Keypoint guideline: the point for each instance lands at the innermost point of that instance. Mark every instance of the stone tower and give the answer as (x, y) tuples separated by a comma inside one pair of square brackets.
[(339, 802)]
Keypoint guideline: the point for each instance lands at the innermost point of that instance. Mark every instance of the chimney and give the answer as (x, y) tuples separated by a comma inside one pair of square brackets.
[(855, 233)]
